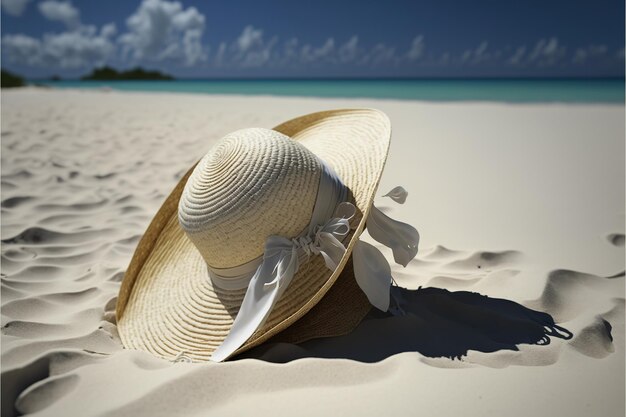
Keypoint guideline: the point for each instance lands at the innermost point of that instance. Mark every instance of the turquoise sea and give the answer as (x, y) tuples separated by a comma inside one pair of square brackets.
[(501, 90)]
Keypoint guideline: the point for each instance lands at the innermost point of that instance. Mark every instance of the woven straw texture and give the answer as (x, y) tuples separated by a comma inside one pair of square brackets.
[(167, 304), (243, 191)]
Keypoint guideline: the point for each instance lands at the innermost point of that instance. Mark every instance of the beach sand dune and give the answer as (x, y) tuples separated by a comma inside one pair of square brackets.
[(515, 300)]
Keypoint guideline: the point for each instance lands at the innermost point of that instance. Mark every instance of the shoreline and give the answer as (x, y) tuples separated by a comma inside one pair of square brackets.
[(339, 100), (459, 91)]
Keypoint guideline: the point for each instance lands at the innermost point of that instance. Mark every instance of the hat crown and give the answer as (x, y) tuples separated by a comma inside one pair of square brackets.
[(252, 184)]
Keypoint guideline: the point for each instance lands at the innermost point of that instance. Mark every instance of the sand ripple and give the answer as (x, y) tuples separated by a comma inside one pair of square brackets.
[(72, 213)]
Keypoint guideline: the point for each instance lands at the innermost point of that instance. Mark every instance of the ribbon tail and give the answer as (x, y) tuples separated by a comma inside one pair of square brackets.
[(402, 238), (280, 264), (398, 194), (373, 274), (331, 249)]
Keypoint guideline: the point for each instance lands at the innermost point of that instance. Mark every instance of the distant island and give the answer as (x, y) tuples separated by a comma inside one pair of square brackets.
[(137, 73), (11, 80)]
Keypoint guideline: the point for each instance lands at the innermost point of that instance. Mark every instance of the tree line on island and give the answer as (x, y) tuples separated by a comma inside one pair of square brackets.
[(137, 73), (10, 79)]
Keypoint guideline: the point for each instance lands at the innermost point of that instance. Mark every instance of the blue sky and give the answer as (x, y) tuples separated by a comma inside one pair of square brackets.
[(320, 38)]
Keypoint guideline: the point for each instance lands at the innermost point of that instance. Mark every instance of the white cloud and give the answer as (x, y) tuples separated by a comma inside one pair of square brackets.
[(161, 30), (551, 47), (250, 37), (14, 7), (417, 48), (219, 56), (290, 52), (348, 52), (547, 52), (380, 54), (593, 51), (80, 48), (108, 30), (517, 57), (60, 11), (478, 54), (324, 52), (77, 49), (192, 47), (260, 56), (22, 49), (480, 51), (250, 49)]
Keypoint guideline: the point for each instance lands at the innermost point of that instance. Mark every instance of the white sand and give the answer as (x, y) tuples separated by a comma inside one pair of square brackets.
[(533, 194)]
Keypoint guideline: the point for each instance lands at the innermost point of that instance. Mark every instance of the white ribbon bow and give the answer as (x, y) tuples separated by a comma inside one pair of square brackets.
[(371, 269), (282, 258)]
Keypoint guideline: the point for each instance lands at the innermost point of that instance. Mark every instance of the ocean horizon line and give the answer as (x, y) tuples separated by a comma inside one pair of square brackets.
[(347, 79), (498, 90)]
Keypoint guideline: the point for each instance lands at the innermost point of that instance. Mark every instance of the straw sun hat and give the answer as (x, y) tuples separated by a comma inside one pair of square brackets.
[(256, 240)]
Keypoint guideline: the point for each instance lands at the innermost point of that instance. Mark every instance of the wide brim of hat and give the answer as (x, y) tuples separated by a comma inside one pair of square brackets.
[(167, 305)]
